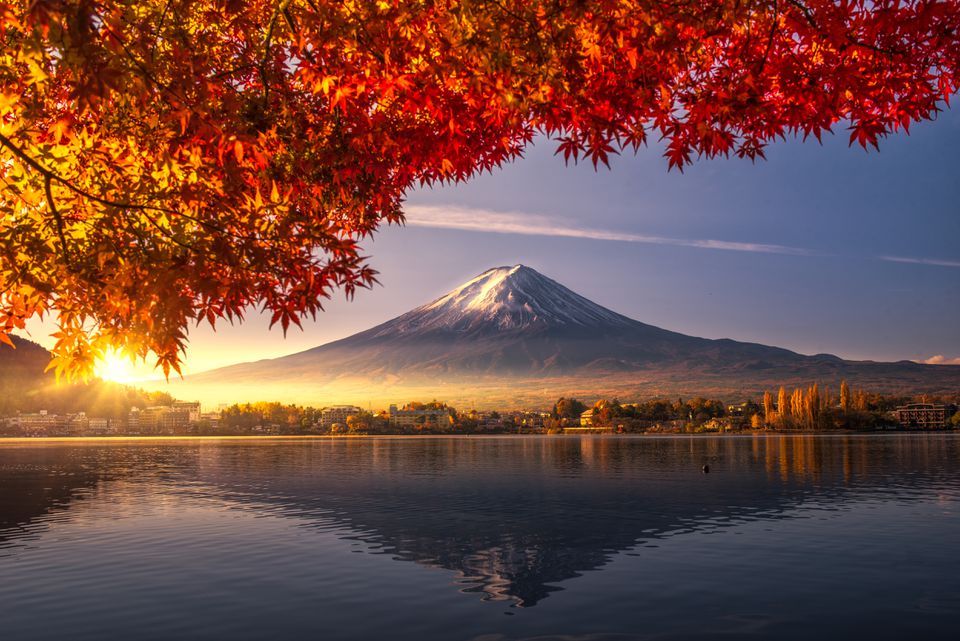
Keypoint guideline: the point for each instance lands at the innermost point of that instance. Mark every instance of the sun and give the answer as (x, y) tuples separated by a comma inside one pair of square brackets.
[(114, 366)]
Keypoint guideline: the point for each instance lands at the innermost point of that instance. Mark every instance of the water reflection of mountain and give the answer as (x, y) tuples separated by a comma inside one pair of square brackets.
[(515, 517), (518, 517)]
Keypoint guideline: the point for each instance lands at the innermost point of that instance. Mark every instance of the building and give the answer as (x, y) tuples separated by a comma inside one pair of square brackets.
[(42, 423), (488, 421), (586, 418), (330, 416), (77, 424), (743, 409), (161, 419), (191, 407), (924, 415), (212, 419), (412, 418), (100, 427), (531, 420), (133, 421)]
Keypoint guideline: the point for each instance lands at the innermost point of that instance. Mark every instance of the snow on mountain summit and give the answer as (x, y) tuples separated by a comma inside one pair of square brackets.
[(506, 298)]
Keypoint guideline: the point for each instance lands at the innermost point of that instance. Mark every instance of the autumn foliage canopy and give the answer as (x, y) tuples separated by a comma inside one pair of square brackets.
[(169, 162)]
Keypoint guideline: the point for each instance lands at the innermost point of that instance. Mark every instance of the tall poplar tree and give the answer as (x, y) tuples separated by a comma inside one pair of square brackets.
[(844, 397), (782, 408)]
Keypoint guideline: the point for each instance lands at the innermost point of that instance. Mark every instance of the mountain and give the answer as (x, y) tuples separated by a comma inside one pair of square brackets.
[(513, 335), (504, 299), (23, 362)]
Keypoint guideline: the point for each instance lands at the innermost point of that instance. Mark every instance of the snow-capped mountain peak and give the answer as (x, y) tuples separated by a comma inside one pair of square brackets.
[(506, 298)]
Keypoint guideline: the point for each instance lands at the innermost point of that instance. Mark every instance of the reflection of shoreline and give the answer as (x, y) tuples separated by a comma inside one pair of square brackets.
[(504, 435), (514, 517)]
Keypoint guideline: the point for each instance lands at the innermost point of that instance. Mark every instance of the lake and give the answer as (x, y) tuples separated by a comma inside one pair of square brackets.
[(593, 538)]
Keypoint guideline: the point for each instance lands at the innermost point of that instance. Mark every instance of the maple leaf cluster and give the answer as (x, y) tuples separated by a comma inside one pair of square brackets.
[(170, 162)]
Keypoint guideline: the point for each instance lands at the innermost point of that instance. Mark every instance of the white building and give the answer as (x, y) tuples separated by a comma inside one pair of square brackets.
[(337, 414), (191, 407), (410, 418)]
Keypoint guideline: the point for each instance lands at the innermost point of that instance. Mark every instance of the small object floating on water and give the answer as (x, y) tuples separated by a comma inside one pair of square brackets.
[(706, 469)]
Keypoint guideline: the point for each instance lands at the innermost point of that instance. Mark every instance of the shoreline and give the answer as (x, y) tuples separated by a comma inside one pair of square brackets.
[(332, 437)]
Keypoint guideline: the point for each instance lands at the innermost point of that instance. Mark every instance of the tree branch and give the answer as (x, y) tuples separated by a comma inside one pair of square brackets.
[(53, 176), (58, 221), (49, 176), (773, 31), (808, 15), (280, 8), (163, 17)]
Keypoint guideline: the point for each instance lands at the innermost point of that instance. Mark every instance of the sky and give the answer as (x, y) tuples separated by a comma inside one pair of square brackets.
[(819, 248)]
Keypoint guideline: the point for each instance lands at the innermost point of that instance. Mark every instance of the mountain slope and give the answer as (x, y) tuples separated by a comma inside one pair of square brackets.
[(22, 367), (511, 330)]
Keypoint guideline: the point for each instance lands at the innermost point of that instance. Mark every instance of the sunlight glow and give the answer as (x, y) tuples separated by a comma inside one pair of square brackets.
[(114, 366)]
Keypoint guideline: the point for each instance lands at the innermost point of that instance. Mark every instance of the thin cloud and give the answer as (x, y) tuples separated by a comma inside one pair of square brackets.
[(940, 359), (921, 261), (535, 225), (496, 222)]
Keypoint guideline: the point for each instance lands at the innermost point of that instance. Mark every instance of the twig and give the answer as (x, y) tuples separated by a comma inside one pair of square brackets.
[(773, 31), (53, 176), (281, 7), (58, 220), (857, 43)]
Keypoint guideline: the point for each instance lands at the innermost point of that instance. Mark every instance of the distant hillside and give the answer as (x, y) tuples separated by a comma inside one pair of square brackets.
[(24, 387), (25, 363), (512, 336)]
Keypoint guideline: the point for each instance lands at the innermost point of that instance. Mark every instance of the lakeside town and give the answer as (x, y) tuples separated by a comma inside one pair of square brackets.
[(809, 409)]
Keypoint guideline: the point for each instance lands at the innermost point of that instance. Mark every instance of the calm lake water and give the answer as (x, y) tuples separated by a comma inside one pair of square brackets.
[(596, 538)]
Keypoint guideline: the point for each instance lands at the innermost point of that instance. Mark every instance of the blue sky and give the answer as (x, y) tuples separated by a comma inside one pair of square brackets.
[(806, 240), (839, 214)]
